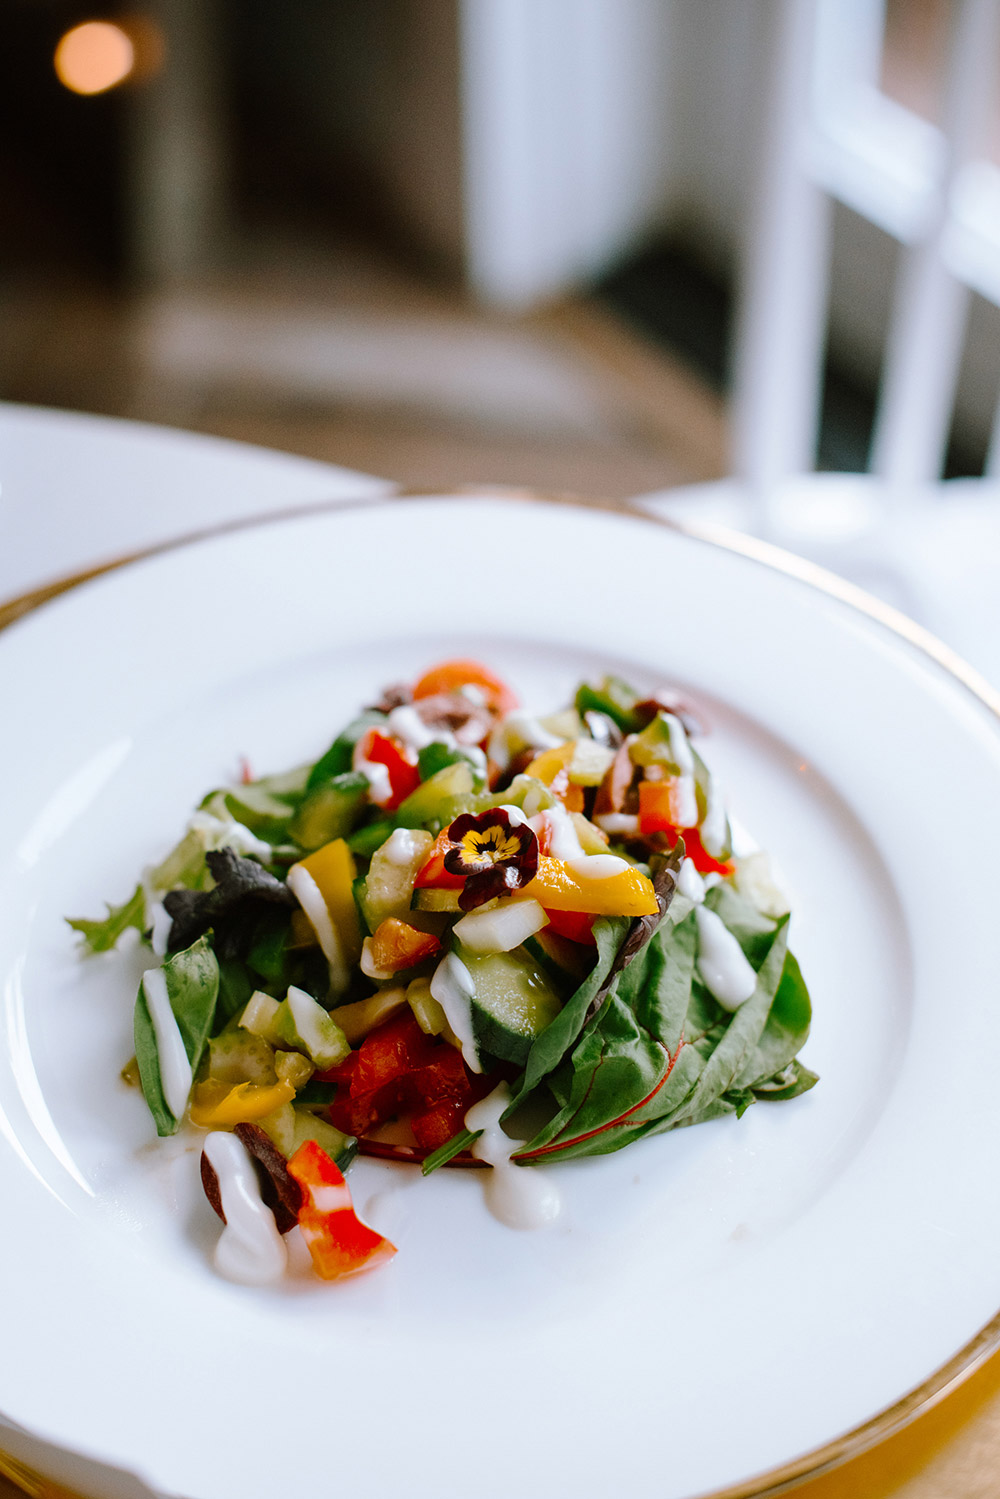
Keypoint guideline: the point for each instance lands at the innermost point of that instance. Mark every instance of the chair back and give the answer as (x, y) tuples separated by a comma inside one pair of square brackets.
[(833, 134)]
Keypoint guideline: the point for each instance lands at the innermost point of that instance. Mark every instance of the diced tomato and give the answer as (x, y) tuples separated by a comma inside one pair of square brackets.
[(432, 873), (389, 1052), (340, 1244), (450, 676), (397, 945), (404, 777), (578, 926), (437, 1124), (358, 1115), (341, 1074), (443, 1076)]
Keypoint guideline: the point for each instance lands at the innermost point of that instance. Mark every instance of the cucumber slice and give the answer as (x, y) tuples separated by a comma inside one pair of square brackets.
[(514, 1001), (388, 886), (503, 928), (329, 811)]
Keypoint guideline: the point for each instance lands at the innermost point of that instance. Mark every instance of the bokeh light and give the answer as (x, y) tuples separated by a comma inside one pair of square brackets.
[(94, 57)]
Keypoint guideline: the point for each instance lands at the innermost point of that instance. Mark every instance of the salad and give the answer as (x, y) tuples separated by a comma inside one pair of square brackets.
[(465, 935)]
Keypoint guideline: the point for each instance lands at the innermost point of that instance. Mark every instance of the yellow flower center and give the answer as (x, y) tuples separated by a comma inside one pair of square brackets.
[(494, 845)]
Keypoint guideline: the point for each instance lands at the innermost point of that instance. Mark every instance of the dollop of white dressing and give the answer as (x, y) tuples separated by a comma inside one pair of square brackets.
[(406, 725), (722, 964), (404, 845), (564, 844), (215, 833), (310, 898), (250, 1250), (175, 1069), (519, 731), (618, 824), (453, 987), (518, 1196)]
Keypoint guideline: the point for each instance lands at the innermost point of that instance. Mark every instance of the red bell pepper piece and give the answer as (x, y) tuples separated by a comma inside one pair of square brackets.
[(404, 776), (340, 1244), (578, 926), (432, 873), (654, 806), (397, 945)]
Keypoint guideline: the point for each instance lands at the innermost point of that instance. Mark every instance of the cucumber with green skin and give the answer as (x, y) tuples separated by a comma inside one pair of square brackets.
[(513, 1002), (330, 811)]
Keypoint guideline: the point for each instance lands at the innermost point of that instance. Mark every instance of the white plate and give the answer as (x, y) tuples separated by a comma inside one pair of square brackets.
[(713, 1303)]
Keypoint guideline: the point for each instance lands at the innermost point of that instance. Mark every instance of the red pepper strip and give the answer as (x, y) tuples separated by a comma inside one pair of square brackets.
[(530, 1155), (340, 1244), (432, 873), (397, 945), (404, 776), (578, 926), (654, 803)]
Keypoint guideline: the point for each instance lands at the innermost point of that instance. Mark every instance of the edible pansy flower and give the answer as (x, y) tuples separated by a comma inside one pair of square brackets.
[(495, 856)]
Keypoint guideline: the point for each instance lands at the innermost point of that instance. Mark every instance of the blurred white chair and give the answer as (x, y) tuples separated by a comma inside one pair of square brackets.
[(932, 549)]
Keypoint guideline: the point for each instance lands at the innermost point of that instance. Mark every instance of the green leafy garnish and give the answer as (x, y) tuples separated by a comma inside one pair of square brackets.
[(101, 936)]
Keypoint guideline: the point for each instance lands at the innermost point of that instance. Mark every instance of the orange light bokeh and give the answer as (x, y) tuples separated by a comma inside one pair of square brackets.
[(94, 57)]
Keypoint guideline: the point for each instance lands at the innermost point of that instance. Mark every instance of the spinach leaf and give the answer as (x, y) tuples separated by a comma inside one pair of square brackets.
[(192, 978), (101, 936), (743, 1031), (788, 1083), (553, 1043), (786, 1031)]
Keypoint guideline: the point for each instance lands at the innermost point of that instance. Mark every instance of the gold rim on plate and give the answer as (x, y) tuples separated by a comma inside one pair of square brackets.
[(933, 1390)]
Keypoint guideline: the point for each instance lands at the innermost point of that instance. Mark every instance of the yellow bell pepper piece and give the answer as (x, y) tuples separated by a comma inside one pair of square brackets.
[(215, 1104), (557, 887), (546, 766), (333, 870)]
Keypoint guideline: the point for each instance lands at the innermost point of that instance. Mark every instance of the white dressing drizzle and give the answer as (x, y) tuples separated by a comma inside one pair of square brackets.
[(453, 987), (519, 731), (680, 754), (714, 827), (519, 1196), (175, 1069), (690, 883), (310, 898), (565, 845), (405, 724), (722, 964), (250, 1250), (376, 774), (161, 922)]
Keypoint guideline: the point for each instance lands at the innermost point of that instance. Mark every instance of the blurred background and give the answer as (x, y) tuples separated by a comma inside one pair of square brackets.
[(457, 240)]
